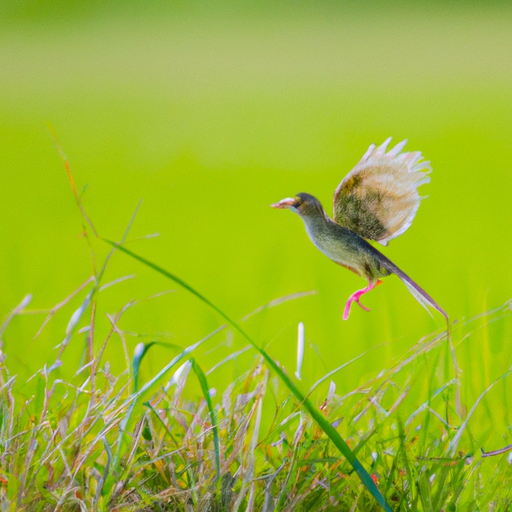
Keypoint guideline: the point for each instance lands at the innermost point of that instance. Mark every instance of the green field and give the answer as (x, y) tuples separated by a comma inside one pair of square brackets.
[(210, 114)]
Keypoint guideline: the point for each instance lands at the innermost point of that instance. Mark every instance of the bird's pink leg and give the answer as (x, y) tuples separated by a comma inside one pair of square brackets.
[(356, 296)]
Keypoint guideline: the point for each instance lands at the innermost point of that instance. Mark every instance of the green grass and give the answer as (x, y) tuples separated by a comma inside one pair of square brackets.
[(104, 441)]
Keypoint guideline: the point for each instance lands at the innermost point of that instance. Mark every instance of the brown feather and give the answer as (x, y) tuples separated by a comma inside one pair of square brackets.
[(378, 199)]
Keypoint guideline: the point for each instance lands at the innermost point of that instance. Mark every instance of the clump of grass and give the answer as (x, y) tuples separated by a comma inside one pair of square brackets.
[(109, 442)]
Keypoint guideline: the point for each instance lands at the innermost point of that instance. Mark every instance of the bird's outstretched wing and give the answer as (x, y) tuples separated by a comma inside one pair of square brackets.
[(378, 198)]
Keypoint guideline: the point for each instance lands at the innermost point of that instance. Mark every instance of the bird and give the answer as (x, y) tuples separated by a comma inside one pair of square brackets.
[(375, 202)]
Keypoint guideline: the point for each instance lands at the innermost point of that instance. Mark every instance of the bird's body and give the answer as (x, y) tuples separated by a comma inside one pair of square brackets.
[(377, 201), (340, 244)]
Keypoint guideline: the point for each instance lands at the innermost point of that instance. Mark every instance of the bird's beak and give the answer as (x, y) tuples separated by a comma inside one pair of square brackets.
[(284, 203)]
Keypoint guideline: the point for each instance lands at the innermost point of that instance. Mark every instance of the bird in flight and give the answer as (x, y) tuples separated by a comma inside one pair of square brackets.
[(376, 201)]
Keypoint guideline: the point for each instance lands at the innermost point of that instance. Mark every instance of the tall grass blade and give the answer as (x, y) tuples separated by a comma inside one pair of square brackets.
[(206, 392), (105, 472), (329, 430)]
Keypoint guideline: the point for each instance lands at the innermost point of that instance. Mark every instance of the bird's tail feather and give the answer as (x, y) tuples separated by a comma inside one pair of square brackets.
[(416, 291), (419, 297)]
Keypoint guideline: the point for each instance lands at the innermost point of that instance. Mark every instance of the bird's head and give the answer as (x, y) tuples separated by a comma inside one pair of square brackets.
[(303, 204)]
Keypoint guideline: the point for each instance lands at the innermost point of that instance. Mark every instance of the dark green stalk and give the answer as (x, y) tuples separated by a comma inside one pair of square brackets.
[(206, 392)]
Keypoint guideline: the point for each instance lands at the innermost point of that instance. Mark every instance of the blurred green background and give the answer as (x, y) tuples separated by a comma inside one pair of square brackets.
[(210, 112)]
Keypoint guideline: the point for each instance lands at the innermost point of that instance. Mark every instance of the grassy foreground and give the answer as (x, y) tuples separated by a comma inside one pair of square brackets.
[(111, 442)]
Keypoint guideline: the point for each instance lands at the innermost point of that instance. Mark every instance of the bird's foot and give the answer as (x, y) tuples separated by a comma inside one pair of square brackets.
[(355, 298)]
